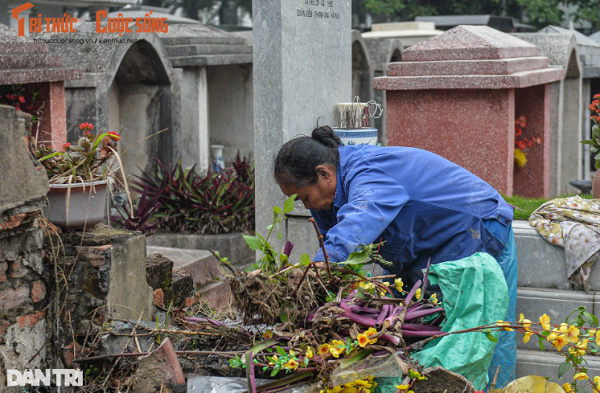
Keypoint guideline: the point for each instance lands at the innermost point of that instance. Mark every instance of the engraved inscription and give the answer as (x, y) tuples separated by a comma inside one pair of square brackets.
[(317, 13)]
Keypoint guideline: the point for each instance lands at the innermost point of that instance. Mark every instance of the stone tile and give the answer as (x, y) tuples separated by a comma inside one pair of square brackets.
[(201, 264), (541, 264), (546, 364), (467, 67), (218, 295), (470, 43)]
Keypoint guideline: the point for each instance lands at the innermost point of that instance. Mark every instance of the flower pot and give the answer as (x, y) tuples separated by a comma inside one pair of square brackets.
[(596, 185), (86, 204), (360, 136)]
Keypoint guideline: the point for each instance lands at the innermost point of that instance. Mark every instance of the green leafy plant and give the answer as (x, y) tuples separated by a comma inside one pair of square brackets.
[(83, 162), (209, 203)]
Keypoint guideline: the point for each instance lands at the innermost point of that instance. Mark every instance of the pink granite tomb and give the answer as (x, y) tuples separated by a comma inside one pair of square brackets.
[(24, 61), (458, 95)]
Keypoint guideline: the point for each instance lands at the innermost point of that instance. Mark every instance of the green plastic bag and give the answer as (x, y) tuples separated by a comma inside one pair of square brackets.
[(475, 294)]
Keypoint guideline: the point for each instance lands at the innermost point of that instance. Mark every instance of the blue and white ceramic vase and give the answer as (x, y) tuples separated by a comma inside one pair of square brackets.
[(217, 155), (360, 136)]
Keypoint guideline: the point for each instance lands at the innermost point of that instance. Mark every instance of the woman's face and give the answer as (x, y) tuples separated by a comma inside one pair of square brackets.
[(318, 196)]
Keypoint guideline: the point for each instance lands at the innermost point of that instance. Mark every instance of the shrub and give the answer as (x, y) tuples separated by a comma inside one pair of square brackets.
[(209, 203)]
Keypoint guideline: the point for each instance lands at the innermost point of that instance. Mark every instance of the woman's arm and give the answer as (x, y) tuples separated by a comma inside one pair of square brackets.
[(374, 200)]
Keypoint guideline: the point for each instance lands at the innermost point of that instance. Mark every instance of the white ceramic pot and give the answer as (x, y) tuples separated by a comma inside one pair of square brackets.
[(86, 202), (217, 154), (361, 136)]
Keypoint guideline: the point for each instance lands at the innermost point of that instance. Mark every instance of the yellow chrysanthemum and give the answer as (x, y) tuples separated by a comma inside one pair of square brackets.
[(580, 376), (418, 294), (398, 284), (545, 321), (520, 158), (433, 298)]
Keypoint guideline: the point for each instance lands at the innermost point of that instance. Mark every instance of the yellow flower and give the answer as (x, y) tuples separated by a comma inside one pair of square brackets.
[(526, 337), (581, 348), (371, 331), (526, 323), (545, 321), (418, 294), (567, 387), (323, 349), (337, 348), (520, 158), (309, 353), (572, 334), (291, 365), (401, 388), (398, 284), (503, 325), (596, 383), (563, 328), (367, 286), (268, 334), (580, 376), (560, 342), (363, 340), (434, 299), (274, 360), (292, 352), (598, 337)]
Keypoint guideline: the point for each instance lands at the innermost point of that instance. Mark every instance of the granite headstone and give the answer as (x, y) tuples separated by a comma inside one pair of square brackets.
[(302, 69)]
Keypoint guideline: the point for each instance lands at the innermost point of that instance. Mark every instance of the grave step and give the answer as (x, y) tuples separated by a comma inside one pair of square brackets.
[(23, 47), (30, 61), (201, 264), (546, 364), (194, 50), (216, 40), (557, 304)]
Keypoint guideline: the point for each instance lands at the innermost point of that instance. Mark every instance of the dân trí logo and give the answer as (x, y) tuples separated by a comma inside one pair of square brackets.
[(62, 377)]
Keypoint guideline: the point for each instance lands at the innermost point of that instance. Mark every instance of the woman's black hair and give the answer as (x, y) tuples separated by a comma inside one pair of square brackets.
[(297, 159)]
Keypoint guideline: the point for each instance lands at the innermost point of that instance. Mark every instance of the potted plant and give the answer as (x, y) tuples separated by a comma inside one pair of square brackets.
[(78, 178), (595, 143), (352, 123)]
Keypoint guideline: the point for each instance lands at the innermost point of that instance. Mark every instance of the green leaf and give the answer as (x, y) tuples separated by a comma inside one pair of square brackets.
[(276, 210), (280, 351), (359, 257), (596, 131), (279, 234), (289, 204), (593, 149), (564, 367), (304, 260), (253, 242), (491, 337), (541, 342), (592, 319)]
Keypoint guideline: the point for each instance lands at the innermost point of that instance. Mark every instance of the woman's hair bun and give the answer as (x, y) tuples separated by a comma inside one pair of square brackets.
[(325, 136)]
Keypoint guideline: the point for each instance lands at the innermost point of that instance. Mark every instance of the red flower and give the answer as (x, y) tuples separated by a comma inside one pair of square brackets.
[(86, 127), (539, 140), (114, 135), (22, 99), (87, 133), (66, 146), (518, 131), (521, 145)]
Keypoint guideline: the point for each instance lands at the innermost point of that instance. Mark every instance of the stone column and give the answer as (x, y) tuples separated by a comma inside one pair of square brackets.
[(203, 132), (302, 68)]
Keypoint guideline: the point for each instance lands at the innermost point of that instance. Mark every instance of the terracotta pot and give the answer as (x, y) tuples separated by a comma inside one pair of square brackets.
[(596, 185), (87, 204)]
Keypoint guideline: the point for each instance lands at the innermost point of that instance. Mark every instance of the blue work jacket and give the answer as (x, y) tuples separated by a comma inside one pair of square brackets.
[(422, 205)]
